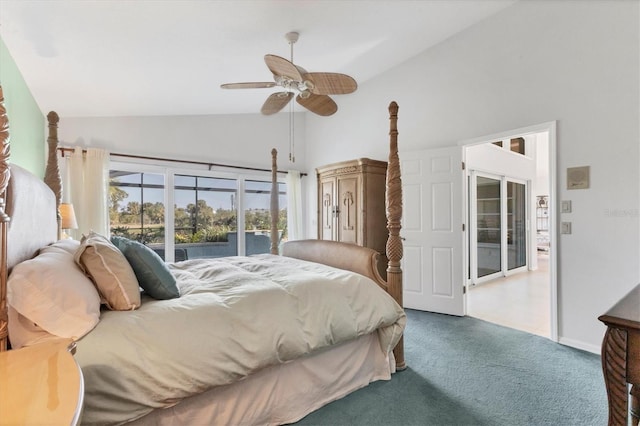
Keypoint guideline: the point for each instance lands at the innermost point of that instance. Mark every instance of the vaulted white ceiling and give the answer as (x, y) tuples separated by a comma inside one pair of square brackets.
[(169, 57)]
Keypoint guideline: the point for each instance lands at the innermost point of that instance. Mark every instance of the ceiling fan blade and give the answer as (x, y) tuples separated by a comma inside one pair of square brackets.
[(254, 85), (319, 104), (276, 102), (330, 83), (282, 67)]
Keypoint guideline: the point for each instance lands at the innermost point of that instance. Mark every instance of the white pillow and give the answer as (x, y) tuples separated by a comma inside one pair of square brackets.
[(23, 332), (52, 292), (68, 245)]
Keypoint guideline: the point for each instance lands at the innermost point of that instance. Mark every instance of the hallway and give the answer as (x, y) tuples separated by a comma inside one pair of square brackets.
[(520, 301)]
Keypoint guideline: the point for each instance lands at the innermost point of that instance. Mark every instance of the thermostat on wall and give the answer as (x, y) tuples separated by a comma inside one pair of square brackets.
[(578, 177)]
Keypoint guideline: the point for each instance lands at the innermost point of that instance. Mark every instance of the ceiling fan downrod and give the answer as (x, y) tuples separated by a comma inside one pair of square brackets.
[(292, 37)]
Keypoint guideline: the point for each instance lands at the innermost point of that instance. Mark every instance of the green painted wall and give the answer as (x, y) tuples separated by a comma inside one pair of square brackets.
[(26, 121)]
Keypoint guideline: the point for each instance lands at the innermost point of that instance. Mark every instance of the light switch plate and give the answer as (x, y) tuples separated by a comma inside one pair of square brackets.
[(566, 228), (566, 206)]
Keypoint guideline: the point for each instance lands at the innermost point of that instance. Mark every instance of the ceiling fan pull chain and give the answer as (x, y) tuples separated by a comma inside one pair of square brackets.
[(292, 146)]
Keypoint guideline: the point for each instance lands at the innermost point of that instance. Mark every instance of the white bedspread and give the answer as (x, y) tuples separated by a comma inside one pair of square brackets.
[(235, 316)]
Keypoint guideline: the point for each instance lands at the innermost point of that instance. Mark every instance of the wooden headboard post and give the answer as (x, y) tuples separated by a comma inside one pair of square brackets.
[(5, 173), (394, 216), (275, 209), (52, 172)]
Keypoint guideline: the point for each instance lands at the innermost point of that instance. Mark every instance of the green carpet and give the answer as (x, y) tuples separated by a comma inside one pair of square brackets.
[(465, 371)]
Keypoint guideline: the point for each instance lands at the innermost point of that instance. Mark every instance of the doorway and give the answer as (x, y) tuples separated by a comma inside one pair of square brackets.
[(435, 223), (511, 275), (520, 301)]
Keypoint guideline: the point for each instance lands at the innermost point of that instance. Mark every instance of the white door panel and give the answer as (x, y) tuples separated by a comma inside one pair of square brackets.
[(432, 227)]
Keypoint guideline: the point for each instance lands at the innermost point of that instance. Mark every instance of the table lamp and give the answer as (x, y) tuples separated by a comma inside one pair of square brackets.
[(68, 216)]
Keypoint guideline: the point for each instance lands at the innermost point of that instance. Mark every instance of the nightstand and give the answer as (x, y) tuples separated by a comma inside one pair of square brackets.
[(41, 384)]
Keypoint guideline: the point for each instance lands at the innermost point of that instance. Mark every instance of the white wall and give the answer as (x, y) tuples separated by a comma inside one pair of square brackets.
[(542, 163), (571, 61), (244, 140), (494, 159)]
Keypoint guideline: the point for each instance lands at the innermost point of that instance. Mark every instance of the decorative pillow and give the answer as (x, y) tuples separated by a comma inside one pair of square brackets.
[(52, 292), (110, 271), (152, 273)]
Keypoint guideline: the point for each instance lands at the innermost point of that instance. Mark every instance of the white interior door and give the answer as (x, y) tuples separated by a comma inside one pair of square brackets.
[(433, 262)]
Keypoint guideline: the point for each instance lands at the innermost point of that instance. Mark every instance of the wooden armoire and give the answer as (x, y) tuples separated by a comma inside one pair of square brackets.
[(351, 203)]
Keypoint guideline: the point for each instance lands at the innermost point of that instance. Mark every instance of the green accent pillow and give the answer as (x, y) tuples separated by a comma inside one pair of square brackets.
[(153, 275)]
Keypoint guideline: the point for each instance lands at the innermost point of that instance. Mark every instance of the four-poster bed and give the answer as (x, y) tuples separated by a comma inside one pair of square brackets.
[(140, 365)]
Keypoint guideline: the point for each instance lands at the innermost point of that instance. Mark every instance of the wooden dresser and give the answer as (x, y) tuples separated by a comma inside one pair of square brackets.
[(621, 358), (351, 203)]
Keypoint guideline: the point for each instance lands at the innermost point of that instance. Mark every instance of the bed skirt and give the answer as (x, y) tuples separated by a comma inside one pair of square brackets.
[(284, 393)]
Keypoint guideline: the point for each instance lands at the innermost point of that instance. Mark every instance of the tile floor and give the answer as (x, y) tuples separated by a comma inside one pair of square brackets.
[(520, 301)]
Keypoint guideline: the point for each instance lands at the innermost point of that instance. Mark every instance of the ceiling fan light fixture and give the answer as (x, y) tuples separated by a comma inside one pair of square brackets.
[(305, 94), (308, 84)]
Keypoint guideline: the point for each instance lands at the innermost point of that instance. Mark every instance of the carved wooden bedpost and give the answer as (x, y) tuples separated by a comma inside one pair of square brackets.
[(275, 209), (52, 172), (394, 216), (5, 174)]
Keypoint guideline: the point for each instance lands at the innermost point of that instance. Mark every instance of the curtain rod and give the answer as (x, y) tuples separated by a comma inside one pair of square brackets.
[(173, 160)]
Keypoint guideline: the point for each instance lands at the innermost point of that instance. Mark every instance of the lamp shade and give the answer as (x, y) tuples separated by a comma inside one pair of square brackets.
[(68, 216)]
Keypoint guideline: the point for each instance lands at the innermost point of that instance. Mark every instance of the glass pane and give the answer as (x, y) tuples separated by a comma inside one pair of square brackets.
[(153, 215), (257, 216), (180, 180), (516, 225), (136, 207), (125, 177), (217, 183), (152, 179), (205, 217), (517, 145), (488, 226)]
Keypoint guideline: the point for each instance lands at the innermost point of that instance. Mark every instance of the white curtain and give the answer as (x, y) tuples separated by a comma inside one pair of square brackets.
[(294, 205), (87, 187)]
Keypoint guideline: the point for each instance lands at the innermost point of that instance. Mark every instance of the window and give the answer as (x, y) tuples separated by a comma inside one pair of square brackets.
[(257, 215), (205, 219), (136, 206), (516, 145)]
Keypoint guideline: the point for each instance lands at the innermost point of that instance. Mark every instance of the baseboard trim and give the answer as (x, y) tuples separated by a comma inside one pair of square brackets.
[(579, 345)]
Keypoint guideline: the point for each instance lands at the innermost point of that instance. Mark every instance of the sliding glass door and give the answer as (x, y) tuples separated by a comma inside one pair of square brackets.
[(488, 226), (516, 225), (498, 221)]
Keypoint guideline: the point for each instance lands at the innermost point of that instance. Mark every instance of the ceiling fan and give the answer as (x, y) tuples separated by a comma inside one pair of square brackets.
[(312, 88)]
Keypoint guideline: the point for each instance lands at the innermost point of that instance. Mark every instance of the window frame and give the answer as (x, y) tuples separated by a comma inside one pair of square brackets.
[(169, 173)]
